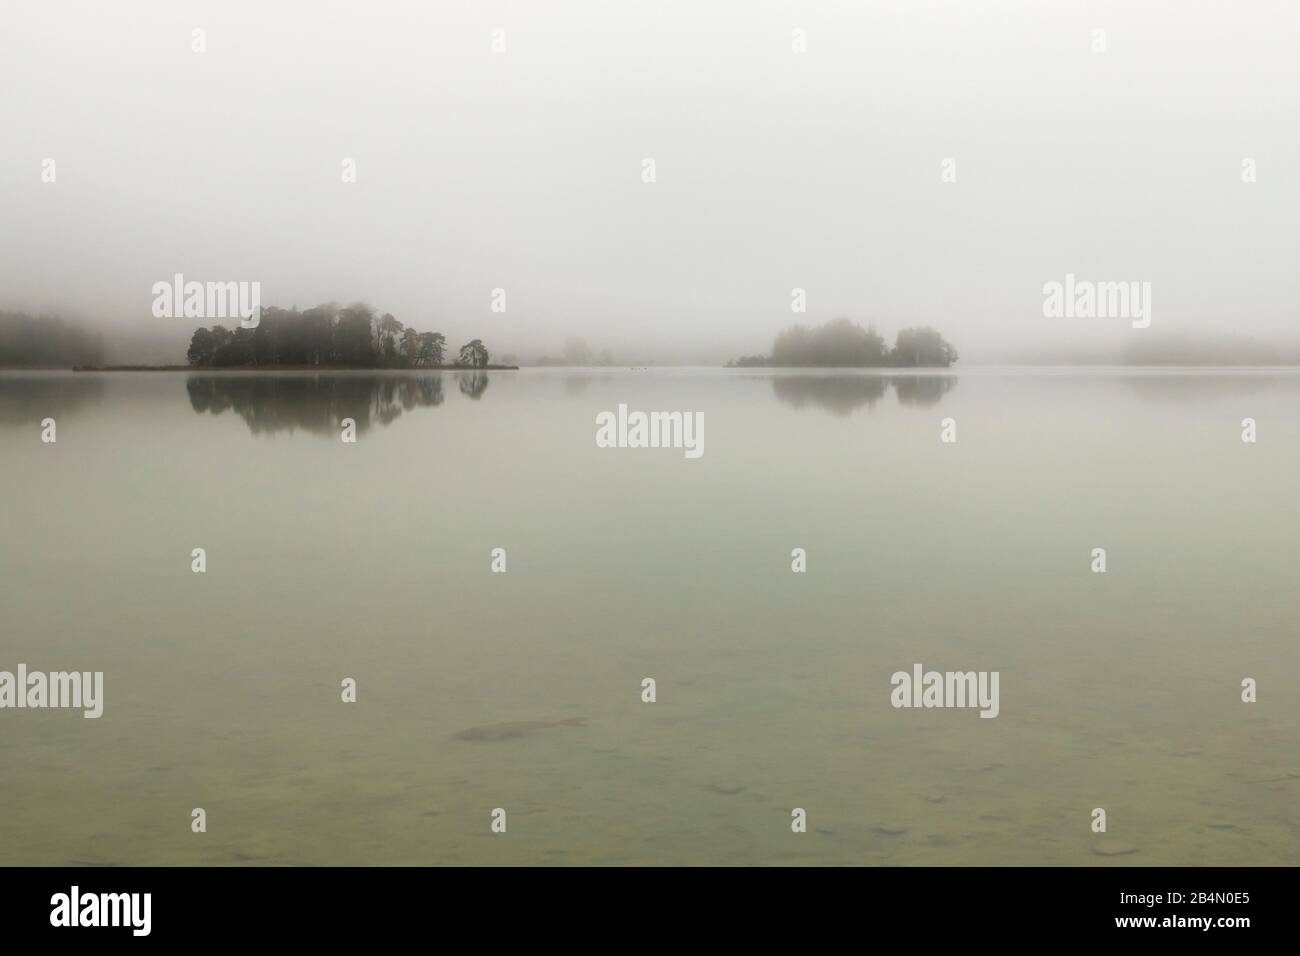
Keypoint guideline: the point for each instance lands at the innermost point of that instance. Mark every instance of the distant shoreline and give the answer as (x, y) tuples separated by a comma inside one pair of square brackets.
[(207, 369)]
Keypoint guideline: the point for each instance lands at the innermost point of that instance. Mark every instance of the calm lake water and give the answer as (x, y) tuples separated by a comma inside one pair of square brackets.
[(371, 560)]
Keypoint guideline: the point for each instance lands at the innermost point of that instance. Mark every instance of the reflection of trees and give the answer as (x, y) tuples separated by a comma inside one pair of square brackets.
[(314, 403), (474, 384), (577, 384), (26, 399), (840, 394), (922, 390), (1184, 386), (843, 394)]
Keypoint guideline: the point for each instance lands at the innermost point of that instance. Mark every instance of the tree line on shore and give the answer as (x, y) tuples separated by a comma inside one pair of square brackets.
[(45, 341), (327, 335), (841, 343), (355, 336)]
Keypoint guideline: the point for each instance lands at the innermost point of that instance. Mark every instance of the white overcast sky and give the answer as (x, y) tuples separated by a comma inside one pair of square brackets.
[(775, 170)]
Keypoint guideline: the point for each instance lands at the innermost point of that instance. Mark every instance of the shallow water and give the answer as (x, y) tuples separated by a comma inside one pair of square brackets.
[(371, 560)]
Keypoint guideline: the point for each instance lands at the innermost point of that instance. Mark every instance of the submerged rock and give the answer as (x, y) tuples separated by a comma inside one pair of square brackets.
[(1114, 848), (728, 787), (517, 728)]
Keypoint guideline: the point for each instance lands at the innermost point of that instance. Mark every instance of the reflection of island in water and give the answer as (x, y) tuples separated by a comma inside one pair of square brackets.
[(473, 384), (843, 394), (27, 399), (318, 403)]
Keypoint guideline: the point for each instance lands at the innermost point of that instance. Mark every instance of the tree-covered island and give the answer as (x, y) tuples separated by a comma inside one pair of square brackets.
[(841, 343), (328, 336)]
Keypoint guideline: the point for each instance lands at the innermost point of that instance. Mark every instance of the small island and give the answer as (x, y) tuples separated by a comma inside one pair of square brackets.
[(841, 343), (330, 337)]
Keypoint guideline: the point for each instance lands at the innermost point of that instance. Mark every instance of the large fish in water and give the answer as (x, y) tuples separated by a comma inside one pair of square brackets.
[(518, 728)]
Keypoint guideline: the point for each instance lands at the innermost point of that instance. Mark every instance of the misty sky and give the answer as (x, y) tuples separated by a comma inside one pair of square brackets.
[(522, 170)]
